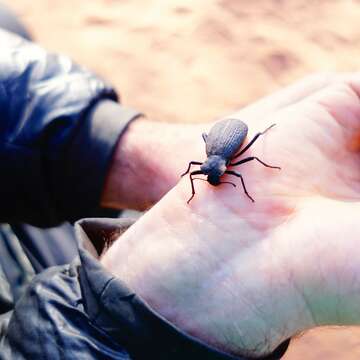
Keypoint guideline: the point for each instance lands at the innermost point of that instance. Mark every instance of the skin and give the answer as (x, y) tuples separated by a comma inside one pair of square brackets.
[(245, 276), (140, 174)]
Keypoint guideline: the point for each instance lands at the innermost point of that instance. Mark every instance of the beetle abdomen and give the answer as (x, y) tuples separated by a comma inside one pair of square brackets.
[(225, 138)]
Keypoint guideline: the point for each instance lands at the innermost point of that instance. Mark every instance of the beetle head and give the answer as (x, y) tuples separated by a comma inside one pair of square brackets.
[(213, 179), (214, 167)]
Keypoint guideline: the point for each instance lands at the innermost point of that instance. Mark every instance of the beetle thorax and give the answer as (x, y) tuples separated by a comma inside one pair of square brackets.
[(214, 167)]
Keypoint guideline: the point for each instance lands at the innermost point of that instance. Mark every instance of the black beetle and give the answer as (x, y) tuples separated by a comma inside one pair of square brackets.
[(224, 138)]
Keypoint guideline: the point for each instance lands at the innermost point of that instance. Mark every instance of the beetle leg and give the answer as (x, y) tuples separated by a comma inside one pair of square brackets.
[(191, 163), (252, 141), (197, 172), (254, 158), (230, 172)]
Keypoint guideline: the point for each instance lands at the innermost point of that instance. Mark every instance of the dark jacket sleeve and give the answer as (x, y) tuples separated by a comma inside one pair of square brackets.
[(54, 153)]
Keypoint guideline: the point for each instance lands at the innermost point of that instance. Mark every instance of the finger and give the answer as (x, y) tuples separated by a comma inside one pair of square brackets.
[(341, 100), (290, 95), (259, 115)]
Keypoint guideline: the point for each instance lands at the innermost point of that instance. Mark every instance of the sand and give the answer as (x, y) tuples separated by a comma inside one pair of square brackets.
[(194, 61)]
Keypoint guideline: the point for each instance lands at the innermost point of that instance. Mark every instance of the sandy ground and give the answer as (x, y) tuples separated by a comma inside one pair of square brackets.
[(197, 60)]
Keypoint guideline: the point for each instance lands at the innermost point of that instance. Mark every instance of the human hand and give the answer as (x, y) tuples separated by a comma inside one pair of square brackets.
[(245, 276)]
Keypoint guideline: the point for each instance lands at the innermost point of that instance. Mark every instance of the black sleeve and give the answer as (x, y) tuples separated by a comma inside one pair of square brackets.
[(54, 152)]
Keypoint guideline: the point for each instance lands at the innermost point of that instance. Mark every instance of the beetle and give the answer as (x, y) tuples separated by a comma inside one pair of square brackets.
[(222, 142)]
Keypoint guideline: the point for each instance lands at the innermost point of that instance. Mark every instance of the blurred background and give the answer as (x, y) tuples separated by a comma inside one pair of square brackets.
[(195, 61)]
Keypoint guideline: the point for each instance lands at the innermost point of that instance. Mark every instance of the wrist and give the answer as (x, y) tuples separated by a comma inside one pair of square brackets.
[(130, 182), (147, 162), (238, 298)]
